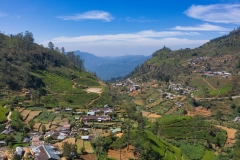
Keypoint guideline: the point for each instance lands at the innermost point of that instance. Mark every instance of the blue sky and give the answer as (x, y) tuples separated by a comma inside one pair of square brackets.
[(120, 27)]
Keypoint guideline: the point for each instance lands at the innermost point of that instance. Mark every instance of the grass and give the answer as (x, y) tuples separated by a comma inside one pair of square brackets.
[(3, 114), (20, 145), (79, 98), (208, 155)]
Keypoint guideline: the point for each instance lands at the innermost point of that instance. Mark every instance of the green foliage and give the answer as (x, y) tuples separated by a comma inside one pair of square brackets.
[(3, 114), (194, 152), (189, 128), (208, 155)]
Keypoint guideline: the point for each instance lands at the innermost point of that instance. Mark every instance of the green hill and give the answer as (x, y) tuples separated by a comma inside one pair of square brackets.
[(186, 65), (51, 77)]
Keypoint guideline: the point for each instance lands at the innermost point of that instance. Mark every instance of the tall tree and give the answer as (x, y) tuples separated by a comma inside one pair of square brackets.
[(51, 45), (63, 50)]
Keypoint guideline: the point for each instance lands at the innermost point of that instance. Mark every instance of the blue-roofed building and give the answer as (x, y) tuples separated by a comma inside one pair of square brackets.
[(46, 152)]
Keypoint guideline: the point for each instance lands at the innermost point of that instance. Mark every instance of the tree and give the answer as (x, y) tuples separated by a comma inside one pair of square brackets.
[(43, 128), (51, 45), (219, 115), (127, 129), (63, 50), (69, 150)]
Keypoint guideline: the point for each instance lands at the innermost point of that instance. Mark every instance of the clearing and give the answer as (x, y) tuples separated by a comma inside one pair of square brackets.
[(230, 135), (199, 111), (125, 155), (95, 90)]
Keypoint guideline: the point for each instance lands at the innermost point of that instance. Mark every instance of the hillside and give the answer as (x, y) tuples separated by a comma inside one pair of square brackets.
[(190, 66), (50, 77), (111, 67)]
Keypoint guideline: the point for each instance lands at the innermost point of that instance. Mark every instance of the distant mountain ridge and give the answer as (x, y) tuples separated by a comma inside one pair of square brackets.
[(111, 67)]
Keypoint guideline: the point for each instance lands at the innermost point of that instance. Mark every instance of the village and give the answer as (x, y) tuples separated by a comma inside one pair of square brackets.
[(46, 144)]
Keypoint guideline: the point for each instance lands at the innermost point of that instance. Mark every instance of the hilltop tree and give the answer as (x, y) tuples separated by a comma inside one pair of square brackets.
[(63, 50), (51, 45)]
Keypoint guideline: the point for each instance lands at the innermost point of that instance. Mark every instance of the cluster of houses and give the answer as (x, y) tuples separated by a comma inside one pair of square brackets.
[(224, 74), (197, 60), (178, 87)]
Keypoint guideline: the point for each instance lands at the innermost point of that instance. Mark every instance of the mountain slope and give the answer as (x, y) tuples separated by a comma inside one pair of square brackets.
[(51, 78), (111, 67), (185, 65)]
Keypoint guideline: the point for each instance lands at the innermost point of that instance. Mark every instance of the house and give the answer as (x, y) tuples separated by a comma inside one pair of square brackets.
[(68, 109), (91, 113), (36, 140), (2, 143), (151, 100), (19, 151), (96, 118), (46, 152), (236, 119), (136, 87), (116, 130), (7, 131), (65, 128), (56, 135), (77, 118), (104, 110), (26, 140), (87, 137)]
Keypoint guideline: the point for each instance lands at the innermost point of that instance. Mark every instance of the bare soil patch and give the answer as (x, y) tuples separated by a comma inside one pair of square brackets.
[(57, 120), (199, 111), (139, 102), (230, 135), (32, 114), (25, 113), (183, 98), (94, 90), (119, 135), (133, 93), (36, 127), (89, 157), (125, 155), (172, 110), (150, 116)]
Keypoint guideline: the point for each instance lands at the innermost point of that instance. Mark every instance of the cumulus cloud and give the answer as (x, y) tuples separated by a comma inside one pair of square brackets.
[(144, 42), (202, 27), (90, 15), (217, 13)]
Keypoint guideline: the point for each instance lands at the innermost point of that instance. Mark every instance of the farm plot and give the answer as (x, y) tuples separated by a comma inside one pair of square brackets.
[(162, 107), (69, 140), (36, 127), (86, 144), (25, 113), (125, 154), (56, 120), (32, 115), (45, 117)]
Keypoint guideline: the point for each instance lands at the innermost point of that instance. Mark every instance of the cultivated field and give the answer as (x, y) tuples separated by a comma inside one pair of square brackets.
[(25, 113), (32, 115), (36, 127), (69, 140)]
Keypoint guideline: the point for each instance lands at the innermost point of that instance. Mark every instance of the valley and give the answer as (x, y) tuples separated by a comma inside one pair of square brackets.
[(175, 106)]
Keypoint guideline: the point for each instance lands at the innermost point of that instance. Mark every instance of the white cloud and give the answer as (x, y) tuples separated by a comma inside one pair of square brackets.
[(202, 27), (90, 15), (217, 13), (144, 42), (3, 14)]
